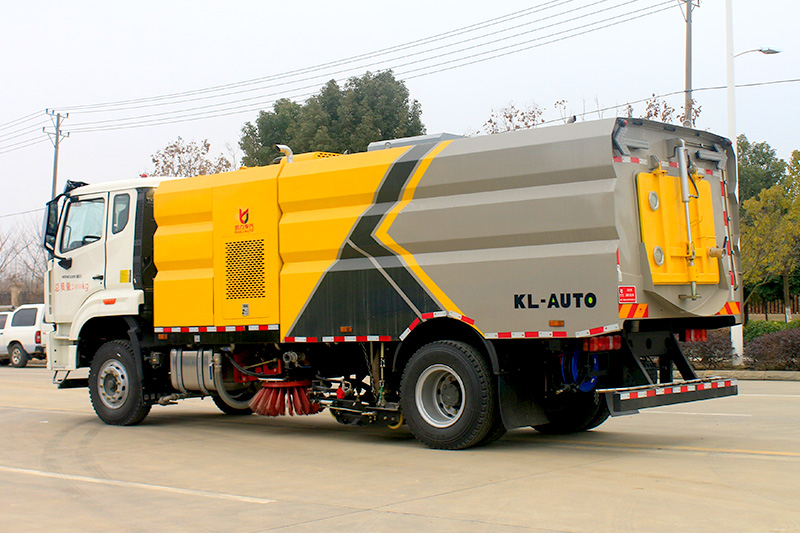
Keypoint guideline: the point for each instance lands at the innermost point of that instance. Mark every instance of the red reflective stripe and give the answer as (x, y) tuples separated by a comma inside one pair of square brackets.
[(531, 334), (414, 324), (559, 334), (504, 335), (427, 316), (468, 320), (617, 159), (595, 331)]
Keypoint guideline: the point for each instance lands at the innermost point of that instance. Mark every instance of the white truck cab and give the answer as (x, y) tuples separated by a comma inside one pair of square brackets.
[(91, 274)]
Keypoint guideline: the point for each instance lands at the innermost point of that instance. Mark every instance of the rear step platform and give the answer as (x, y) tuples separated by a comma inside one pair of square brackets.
[(629, 400)]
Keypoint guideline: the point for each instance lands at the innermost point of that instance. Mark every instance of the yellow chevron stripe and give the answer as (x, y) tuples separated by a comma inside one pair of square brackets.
[(382, 232)]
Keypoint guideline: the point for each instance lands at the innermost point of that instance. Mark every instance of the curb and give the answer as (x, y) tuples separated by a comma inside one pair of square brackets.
[(752, 375)]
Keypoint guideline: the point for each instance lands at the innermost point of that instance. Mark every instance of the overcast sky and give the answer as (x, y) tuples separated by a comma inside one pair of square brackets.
[(65, 55)]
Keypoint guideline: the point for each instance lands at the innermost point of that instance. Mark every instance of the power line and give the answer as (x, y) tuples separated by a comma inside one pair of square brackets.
[(412, 44), (326, 75), (6, 150), (357, 67), (219, 109), (254, 103), (22, 213), (26, 118)]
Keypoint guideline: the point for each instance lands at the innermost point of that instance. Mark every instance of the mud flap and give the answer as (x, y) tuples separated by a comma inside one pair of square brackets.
[(518, 406)]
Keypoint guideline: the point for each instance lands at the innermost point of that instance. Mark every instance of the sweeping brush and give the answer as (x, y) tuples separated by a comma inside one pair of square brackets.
[(277, 397)]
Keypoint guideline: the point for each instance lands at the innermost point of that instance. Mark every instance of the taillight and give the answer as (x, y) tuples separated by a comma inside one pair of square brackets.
[(38, 337), (695, 335), (602, 344)]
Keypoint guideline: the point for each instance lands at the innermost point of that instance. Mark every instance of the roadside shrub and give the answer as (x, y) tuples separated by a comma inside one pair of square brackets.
[(716, 352), (775, 351), (754, 329), (793, 324)]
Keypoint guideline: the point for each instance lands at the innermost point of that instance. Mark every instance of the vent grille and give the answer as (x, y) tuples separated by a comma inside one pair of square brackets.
[(244, 270)]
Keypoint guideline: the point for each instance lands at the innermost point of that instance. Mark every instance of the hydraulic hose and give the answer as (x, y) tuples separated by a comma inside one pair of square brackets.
[(220, 383)]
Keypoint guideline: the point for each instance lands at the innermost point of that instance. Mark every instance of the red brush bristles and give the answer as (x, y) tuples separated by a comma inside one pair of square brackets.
[(277, 397)]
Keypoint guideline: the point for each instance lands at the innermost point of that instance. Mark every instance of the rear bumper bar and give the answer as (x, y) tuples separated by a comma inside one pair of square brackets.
[(630, 400)]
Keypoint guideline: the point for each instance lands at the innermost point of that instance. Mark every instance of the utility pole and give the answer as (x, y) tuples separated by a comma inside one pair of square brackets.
[(687, 101), (56, 138)]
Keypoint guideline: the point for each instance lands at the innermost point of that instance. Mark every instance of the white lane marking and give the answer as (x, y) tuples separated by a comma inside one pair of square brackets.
[(695, 414), (771, 395), (135, 485)]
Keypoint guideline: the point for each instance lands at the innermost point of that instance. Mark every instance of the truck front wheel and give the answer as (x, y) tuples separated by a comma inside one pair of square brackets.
[(115, 387), (448, 396)]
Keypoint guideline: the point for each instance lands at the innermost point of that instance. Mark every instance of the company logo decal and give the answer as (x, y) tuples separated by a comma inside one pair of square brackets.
[(244, 226), (564, 300)]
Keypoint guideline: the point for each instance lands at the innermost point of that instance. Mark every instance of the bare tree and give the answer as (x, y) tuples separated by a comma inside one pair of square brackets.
[(180, 158), (510, 118)]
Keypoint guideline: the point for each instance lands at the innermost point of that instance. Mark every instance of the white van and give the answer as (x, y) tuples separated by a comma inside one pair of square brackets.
[(22, 337)]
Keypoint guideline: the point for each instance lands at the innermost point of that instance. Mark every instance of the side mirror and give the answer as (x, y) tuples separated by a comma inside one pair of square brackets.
[(65, 263)]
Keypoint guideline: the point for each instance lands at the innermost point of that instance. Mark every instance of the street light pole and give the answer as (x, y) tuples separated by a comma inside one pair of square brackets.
[(687, 94), (737, 333), (737, 337)]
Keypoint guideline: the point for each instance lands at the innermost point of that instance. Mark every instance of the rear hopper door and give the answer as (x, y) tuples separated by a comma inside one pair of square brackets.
[(679, 235)]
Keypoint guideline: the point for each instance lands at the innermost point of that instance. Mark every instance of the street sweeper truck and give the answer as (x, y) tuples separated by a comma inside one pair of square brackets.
[(461, 286)]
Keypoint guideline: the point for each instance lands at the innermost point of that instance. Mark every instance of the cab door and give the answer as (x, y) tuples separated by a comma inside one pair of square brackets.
[(80, 270)]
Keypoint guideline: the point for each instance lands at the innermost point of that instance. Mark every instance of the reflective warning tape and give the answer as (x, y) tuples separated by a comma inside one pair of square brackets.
[(437, 314), (635, 160), (664, 164), (731, 308), (341, 338), (597, 331), (634, 311), (527, 335), (216, 329), (678, 389)]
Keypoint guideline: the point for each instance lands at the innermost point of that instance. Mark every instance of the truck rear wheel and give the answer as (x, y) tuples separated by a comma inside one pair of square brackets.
[(578, 411), (115, 387), (448, 397), (17, 355)]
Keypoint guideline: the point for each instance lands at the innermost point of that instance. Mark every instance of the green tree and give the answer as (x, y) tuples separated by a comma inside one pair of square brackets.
[(771, 233), (759, 167), (369, 108), (180, 158)]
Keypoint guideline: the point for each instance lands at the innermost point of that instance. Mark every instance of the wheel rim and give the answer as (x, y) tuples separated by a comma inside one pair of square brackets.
[(16, 356), (440, 396), (112, 383)]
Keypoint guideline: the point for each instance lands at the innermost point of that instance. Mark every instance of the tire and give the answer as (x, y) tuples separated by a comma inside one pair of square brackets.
[(578, 411), (17, 355), (233, 411), (448, 396), (115, 387), (496, 432)]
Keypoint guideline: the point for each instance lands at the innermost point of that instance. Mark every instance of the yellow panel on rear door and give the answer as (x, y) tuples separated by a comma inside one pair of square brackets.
[(663, 224)]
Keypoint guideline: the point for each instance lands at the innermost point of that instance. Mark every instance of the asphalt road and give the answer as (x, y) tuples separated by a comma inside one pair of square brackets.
[(718, 465)]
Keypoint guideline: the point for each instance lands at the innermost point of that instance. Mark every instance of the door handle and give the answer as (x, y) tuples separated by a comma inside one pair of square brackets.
[(98, 277)]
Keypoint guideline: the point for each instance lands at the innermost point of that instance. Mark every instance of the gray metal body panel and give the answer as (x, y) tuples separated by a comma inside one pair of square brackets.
[(536, 217)]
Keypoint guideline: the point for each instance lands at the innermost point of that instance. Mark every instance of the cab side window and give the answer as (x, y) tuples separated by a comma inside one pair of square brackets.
[(84, 224), (120, 212)]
